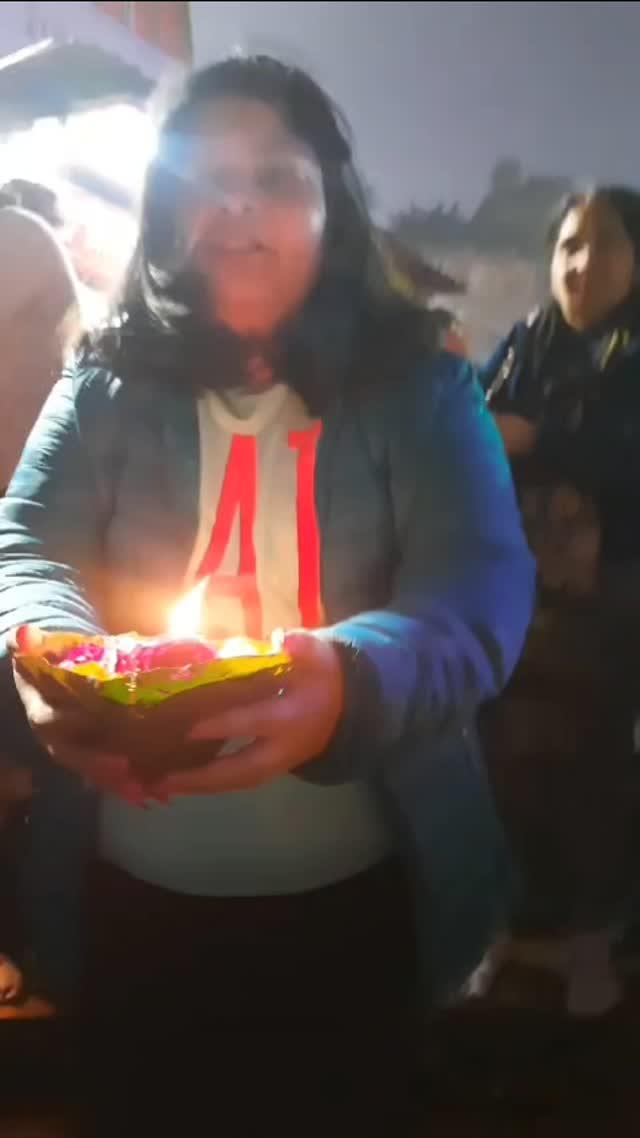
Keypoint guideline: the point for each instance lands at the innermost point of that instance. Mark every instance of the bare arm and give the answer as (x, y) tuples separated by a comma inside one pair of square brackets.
[(34, 269)]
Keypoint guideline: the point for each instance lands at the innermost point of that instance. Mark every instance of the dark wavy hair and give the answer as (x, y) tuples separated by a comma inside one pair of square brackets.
[(624, 201), (551, 335), (351, 329)]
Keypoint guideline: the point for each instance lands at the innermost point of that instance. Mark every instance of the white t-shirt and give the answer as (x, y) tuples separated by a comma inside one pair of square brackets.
[(258, 541)]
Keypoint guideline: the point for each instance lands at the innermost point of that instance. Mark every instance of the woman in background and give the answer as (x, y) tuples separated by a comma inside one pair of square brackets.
[(565, 391)]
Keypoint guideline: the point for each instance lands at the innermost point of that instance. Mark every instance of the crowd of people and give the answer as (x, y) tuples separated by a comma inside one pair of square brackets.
[(452, 554)]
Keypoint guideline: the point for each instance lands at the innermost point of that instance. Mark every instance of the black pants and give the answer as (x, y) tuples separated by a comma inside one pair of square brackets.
[(560, 750), (301, 1002)]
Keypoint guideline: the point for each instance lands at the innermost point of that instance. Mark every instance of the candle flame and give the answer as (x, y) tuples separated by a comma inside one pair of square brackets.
[(186, 616), (237, 646)]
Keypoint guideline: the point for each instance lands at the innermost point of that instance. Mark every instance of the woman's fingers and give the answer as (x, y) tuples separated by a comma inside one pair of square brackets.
[(182, 711), (107, 772), (254, 765), (257, 719), (24, 638)]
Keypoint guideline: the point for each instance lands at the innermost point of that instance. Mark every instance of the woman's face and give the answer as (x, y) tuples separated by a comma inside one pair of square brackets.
[(593, 268), (254, 215)]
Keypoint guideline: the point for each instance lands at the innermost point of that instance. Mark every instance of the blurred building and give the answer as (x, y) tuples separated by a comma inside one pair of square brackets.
[(414, 277), (500, 250), (75, 83), (166, 25)]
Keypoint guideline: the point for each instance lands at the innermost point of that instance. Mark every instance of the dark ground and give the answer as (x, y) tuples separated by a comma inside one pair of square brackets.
[(510, 1067)]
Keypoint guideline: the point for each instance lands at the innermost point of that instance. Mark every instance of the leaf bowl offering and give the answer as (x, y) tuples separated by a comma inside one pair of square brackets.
[(141, 680), (137, 671)]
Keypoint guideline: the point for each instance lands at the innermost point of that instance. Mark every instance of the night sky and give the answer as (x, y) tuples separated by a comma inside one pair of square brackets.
[(437, 91)]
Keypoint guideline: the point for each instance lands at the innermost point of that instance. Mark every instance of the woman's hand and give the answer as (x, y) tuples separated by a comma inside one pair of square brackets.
[(287, 728), (76, 735)]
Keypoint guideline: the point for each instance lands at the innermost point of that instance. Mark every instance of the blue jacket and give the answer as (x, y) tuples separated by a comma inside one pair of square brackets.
[(426, 581)]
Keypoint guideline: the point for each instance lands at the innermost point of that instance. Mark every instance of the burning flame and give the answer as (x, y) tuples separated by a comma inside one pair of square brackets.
[(185, 622), (237, 646), (186, 616)]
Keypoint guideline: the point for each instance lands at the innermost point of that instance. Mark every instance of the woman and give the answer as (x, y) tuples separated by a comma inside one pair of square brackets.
[(264, 413), (564, 390)]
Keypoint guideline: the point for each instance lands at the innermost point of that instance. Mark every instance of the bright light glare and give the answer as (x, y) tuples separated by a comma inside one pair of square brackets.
[(186, 617), (33, 154), (116, 142)]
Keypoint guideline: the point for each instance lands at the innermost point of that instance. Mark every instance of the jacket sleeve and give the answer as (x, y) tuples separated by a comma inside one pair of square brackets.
[(463, 592), (488, 371), (52, 518), (510, 385)]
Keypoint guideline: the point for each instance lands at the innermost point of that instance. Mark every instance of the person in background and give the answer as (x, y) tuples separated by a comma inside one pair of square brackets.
[(15, 790), (35, 198), (38, 308), (39, 315), (565, 391), (451, 336), (264, 413)]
